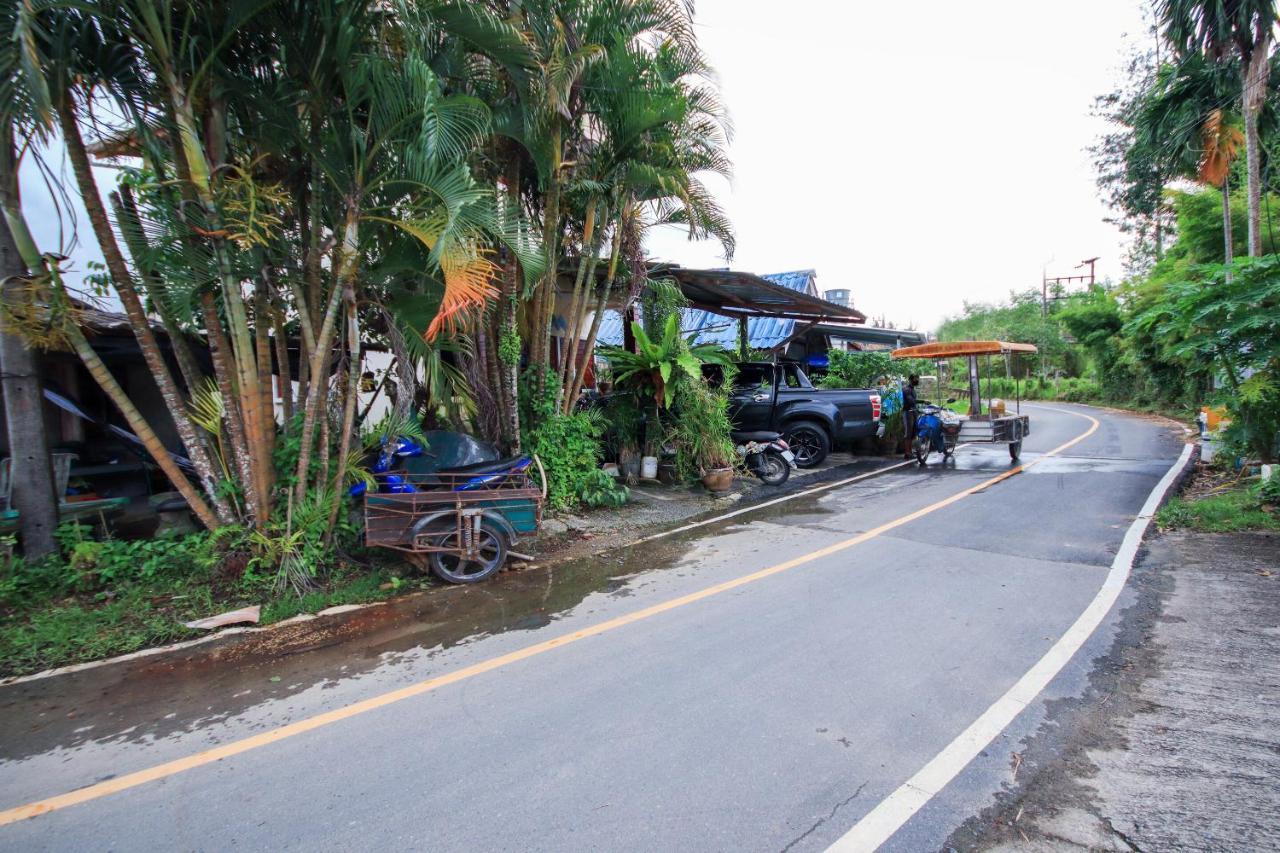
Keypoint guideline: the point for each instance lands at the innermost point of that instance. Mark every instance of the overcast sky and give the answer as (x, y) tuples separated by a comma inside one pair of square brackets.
[(920, 158)]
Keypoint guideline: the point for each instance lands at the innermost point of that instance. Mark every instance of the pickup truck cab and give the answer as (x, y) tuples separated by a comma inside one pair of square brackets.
[(780, 397)]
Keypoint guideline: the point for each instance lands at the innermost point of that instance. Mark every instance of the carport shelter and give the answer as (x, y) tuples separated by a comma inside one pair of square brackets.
[(741, 310)]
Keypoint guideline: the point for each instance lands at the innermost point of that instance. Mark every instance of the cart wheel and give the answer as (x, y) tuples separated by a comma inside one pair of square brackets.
[(456, 569), (1015, 449)]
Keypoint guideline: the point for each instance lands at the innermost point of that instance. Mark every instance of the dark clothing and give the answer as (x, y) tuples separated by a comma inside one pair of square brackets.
[(908, 417), (908, 398)]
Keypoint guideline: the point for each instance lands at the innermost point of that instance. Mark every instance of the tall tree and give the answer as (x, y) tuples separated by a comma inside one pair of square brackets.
[(30, 475), (1222, 30)]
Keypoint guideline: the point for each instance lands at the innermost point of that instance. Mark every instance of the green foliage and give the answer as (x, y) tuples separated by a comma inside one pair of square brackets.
[(509, 345), (1225, 512), (655, 364), (599, 489), (569, 448), (1019, 319), (86, 565), (1225, 320), (853, 369), (294, 550), (702, 427)]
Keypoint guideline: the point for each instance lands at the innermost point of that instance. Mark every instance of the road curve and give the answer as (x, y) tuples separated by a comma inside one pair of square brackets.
[(760, 683)]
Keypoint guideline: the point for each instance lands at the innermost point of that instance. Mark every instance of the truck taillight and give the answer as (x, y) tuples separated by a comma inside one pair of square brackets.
[(875, 407)]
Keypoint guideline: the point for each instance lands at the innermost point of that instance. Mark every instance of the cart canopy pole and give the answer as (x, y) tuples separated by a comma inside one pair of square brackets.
[(975, 391)]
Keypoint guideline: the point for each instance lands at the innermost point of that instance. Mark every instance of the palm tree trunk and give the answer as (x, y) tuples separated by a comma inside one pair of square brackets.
[(224, 375), (1227, 248), (348, 408), (281, 341), (1256, 72), (262, 348), (508, 356), (131, 226), (123, 280), (189, 144), (547, 300), (580, 376), (578, 300), (318, 390), (406, 377), (30, 475)]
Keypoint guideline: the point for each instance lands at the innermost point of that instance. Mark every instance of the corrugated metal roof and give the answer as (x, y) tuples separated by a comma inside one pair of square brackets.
[(762, 332)]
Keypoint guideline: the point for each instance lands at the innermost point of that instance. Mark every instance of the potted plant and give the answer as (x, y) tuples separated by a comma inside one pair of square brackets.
[(657, 369), (703, 433)]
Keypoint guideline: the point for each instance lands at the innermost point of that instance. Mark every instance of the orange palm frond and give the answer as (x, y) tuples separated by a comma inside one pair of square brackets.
[(468, 283), (1222, 141)]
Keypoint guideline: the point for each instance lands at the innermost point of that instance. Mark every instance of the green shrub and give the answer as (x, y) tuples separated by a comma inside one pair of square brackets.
[(853, 369), (569, 448), (599, 489), (701, 428)]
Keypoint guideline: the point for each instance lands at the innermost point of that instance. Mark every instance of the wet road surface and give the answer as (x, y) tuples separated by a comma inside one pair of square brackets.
[(768, 716)]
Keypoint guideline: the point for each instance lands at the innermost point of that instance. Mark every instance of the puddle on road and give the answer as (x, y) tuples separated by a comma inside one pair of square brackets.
[(153, 697)]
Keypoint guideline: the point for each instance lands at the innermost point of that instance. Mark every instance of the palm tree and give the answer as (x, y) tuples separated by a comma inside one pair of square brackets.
[(1180, 126), (1221, 29)]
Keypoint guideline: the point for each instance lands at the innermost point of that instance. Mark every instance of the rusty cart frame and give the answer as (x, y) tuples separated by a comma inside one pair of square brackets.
[(454, 520)]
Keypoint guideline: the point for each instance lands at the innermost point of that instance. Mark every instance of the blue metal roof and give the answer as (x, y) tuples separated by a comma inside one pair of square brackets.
[(762, 332)]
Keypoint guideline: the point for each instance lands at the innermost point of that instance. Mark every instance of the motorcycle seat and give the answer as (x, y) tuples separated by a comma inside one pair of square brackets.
[(756, 435), (497, 466)]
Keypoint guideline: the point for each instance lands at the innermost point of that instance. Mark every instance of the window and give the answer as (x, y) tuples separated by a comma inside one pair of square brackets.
[(753, 376)]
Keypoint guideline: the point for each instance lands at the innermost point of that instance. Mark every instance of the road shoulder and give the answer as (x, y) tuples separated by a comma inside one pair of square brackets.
[(1176, 744)]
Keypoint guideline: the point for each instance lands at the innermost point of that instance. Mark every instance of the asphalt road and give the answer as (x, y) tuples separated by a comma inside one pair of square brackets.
[(770, 713)]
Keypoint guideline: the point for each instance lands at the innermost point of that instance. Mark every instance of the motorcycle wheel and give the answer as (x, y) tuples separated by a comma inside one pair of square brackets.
[(773, 470), (921, 448)]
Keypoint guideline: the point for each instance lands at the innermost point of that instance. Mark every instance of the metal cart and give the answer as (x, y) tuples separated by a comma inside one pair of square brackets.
[(978, 427), (461, 523)]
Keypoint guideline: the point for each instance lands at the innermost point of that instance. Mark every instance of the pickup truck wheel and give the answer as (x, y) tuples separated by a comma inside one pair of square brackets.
[(809, 442)]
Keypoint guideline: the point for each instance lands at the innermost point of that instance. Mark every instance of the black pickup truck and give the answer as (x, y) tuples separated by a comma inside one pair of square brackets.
[(767, 396)]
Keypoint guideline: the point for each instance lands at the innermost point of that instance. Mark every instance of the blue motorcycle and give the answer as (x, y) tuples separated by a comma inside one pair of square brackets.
[(937, 430)]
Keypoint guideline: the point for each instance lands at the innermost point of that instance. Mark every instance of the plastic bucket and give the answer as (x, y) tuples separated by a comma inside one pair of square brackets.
[(649, 467)]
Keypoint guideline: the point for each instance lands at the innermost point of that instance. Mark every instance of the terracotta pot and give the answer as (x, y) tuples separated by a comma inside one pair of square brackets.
[(718, 480)]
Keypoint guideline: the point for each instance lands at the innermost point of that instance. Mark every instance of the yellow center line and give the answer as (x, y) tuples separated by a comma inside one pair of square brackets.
[(209, 756)]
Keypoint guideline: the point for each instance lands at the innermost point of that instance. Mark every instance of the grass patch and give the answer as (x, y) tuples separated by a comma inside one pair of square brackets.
[(1227, 511)]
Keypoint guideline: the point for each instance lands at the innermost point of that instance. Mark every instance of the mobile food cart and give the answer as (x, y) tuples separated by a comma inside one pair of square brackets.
[(978, 426)]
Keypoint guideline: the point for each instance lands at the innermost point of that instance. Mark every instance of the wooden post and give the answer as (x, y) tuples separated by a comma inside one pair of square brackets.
[(975, 392), (744, 343)]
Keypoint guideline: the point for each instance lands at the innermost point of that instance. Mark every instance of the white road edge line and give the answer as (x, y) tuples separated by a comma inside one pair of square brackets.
[(879, 825), (812, 490)]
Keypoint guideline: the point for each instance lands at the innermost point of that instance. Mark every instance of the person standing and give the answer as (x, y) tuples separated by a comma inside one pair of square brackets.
[(909, 413)]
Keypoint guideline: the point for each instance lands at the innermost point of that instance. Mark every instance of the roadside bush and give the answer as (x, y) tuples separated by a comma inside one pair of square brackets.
[(853, 369), (569, 447), (1224, 512), (701, 428), (85, 565), (599, 489)]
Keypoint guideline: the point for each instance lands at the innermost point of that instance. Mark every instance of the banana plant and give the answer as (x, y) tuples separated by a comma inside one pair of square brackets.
[(655, 364)]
